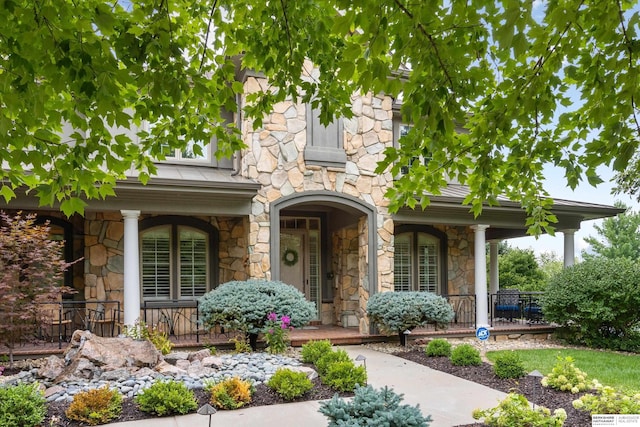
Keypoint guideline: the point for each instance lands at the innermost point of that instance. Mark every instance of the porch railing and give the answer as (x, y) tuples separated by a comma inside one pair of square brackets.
[(57, 320), (520, 307)]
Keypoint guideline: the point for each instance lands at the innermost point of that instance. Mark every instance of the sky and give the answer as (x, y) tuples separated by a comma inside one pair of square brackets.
[(557, 188)]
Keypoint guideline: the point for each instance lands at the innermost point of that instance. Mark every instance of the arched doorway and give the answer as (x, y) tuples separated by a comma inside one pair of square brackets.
[(324, 243)]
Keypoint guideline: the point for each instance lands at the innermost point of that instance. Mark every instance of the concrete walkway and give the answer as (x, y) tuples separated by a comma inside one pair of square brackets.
[(448, 399)]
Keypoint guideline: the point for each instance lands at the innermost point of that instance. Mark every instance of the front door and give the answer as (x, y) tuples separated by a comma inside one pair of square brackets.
[(300, 257), (293, 262)]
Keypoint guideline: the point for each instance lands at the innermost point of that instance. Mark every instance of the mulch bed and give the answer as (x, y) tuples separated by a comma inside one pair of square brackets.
[(528, 386), (263, 396)]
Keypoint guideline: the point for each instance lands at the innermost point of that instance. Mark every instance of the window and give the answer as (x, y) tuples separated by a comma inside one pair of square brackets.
[(189, 154), (418, 260), (402, 130), (176, 259), (325, 144)]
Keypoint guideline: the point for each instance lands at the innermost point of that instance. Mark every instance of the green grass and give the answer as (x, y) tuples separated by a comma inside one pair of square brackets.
[(621, 371)]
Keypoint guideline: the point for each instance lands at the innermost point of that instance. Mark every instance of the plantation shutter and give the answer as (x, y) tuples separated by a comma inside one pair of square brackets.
[(193, 266), (402, 263), (156, 263)]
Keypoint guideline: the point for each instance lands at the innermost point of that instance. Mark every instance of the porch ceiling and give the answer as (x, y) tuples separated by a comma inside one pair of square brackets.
[(506, 221)]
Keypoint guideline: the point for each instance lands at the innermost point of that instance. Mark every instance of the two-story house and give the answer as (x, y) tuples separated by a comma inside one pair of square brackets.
[(302, 203)]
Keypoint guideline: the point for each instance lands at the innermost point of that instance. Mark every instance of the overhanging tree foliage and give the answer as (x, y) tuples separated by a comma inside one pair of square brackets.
[(533, 83)]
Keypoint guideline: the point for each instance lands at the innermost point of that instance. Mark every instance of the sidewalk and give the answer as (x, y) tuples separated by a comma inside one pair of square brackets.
[(448, 399)]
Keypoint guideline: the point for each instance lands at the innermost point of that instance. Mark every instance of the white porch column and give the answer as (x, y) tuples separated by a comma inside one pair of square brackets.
[(569, 247), (494, 283), (482, 303), (131, 267)]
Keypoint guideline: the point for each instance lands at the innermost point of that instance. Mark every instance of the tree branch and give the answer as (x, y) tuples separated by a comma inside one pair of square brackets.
[(432, 42), (206, 37), (628, 43)]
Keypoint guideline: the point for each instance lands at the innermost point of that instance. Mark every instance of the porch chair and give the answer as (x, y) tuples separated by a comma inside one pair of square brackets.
[(55, 321), (507, 304), (103, 320)]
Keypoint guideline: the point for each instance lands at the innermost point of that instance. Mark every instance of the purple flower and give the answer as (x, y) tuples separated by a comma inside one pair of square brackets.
[(273, 317), (285, 319)]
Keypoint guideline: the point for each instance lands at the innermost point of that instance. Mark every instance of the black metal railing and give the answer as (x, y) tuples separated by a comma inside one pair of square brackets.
[(464, 310), (57, 320), (511, 306)]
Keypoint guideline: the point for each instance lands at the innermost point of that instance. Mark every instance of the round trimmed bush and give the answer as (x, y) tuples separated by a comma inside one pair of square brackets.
[(22, 405), (509, 365), (396, 312), (244, 305), (596, 303), (465, 355), (438, 347)]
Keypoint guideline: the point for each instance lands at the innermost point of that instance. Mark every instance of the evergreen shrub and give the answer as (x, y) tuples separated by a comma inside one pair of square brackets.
[(323, 363), (313, 350), (438, 347), (230, 393), (22, 405), (245, 305), (509, 365), (596, 303), (370, 407), (290, 384), (97, 406), (167, 398), (396, 312), (344, 376), (465, 355)]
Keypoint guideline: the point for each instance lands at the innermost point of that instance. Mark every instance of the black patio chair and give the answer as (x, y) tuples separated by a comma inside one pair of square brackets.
[(507, 304)]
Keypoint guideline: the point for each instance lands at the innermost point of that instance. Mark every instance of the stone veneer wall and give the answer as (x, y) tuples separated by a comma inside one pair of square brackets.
[(275, 158), (104, 251), (460, 259), (346, 269)]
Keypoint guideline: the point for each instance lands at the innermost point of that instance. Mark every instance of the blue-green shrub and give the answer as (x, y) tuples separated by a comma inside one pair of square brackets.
[(396, 312), (596, 303), (22, 405), (244, 305), (370, 407)]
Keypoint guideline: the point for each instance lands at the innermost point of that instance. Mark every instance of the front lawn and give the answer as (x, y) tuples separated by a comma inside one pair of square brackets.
[(618, 370)]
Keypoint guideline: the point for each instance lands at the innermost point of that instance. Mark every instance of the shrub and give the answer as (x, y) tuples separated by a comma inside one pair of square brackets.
[(230, 393), (465, 355), (160, 341), (396, 312), (372, 407), (246, 305), (22, 405), (609, 401), (596, 303), (240, 344), (344, 376), (290, 384), (313, 350), (515, 410), (566, 377), (167, 398), (509, 365), (97, 406), (438, 348), (322, 364)]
